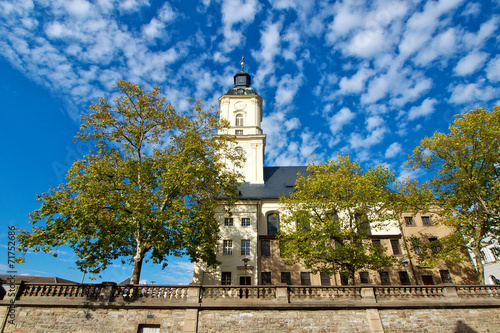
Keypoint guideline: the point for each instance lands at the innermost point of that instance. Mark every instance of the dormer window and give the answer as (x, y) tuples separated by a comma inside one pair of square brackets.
[(239, 120)]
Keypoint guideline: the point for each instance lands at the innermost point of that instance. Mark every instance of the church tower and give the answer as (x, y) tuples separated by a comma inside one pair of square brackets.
[(242, 107)]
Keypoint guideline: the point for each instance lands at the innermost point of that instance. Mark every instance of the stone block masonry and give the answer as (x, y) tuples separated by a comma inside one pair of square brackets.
[(194, 308)]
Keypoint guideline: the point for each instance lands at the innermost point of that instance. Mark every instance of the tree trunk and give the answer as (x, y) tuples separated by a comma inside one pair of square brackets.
[(352, 279), (479, 264), (136, 271)]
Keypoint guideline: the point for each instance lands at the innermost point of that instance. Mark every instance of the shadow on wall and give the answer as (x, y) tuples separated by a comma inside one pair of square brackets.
[(466, 272), (463, 328)]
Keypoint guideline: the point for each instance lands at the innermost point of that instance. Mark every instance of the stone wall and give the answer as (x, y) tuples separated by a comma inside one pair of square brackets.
[(38, 320), (112, 308)]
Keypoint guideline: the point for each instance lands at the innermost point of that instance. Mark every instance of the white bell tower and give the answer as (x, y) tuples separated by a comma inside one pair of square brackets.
[(242, 107)]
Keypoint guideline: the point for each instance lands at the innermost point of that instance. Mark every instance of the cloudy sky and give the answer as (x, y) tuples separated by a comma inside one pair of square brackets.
[(364, 78)]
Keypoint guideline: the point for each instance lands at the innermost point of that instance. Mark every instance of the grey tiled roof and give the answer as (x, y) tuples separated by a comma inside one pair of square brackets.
[(278, 181)]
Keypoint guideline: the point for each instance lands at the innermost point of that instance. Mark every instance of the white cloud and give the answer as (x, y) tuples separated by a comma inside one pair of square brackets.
[(340, 119), (369, 42), (373, 122), (472, 93), (287, 89), (443, 45), (493, 69), (394, 150), (234, 12), (356, 141), (424, 110), (78, 7), (377, 89), (270, 48), (486, 31), (355, 83), (470, 63), (472, 9)]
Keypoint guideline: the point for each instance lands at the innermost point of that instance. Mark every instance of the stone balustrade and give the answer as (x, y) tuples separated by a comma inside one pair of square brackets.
[(111, 294)]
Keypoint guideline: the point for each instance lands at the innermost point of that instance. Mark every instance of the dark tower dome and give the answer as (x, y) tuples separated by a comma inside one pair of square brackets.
[(242, 81)]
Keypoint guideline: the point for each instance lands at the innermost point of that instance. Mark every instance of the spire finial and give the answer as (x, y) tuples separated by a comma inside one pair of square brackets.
[(242, 62)]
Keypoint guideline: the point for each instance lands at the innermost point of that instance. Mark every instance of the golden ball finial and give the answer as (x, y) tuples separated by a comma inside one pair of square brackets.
[(242, 62)]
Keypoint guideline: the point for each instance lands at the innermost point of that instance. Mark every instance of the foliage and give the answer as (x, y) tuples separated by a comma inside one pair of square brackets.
[(465, 185), (326, 223), (150, 186)]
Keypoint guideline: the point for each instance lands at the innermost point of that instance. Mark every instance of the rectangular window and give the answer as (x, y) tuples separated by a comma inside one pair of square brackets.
[(245, 221), (427, 280), (435, 247), (364, 277), (286, 277), (496, 252), (225, 279), (265, 248), (228, 221), (305, 278), (445, 276), (426, 220), (265, 278), (325, 279), (148, 328), (409, 221), (245, 247), (344, 278), (245, 280), (238, 132), (416, 244), (384, 278), (395, 247), (377, 245), (227, 248), (404, 278)]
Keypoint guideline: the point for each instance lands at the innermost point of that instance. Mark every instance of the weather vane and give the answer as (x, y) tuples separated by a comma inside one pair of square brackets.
[(242, 62)]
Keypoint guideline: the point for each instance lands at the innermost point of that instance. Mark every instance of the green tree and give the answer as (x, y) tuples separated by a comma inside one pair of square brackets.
[(149, 187), (465, 186), (326, 223)]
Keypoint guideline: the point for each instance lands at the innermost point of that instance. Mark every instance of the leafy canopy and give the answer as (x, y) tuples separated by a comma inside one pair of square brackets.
[(150, 185), (466, 185), (326, 223)]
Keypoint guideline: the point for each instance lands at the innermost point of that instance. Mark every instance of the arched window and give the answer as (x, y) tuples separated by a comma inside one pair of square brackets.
[(273, 220), (239, 120)]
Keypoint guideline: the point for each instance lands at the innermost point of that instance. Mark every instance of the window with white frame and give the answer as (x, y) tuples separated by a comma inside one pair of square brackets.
[(239, 120), (238, 132), (227, 247), (245, 221), (245, 247), (228, 221), (225, 279)]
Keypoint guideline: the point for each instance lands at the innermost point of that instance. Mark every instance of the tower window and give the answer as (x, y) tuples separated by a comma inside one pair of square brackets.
[(239, 120), (272, 224)]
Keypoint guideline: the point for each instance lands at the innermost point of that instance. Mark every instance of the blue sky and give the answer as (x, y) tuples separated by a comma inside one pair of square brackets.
[(365, 78)]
